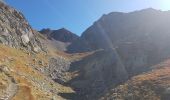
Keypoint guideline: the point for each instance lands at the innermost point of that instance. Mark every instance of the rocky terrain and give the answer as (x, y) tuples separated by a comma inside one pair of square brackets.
[(24, 60), (15, 30), (122, 56)]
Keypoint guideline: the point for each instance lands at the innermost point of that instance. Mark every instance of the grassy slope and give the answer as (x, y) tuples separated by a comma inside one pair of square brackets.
[(153, 85), (32, 85)]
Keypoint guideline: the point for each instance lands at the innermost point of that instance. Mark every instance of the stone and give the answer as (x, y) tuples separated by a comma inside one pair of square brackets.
[(25, 39)]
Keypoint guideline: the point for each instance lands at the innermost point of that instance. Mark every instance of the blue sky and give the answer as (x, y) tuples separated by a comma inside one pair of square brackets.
[(77, 15)]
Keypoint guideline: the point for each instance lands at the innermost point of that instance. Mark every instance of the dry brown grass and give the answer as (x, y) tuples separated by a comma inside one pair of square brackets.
[(73, 56), (24, 93), (147, 86), (27, 78)]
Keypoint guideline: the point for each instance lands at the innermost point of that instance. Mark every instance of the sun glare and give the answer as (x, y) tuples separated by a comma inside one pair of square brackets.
[(164, 4)]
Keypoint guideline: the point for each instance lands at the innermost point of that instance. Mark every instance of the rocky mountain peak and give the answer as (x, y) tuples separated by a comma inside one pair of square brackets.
[(65, 30), (149, 9), (62, 35)]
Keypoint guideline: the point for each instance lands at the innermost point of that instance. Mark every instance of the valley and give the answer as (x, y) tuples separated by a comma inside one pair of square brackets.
[(122, 56)]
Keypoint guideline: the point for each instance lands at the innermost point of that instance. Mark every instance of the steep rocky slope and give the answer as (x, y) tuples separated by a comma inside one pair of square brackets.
[(15, 30), (26, 70)]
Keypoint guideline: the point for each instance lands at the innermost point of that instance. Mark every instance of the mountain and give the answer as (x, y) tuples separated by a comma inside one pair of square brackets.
[(60, 38), (122, 56), (62, 35), (116, 28), (141, 38), (138, 40)]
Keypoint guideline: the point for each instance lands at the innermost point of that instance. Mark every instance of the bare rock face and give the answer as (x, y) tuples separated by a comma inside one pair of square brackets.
[(15, 31)]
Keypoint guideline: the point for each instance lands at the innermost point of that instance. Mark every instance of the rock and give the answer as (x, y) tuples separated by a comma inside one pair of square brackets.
[(57, 69), (40, 62), (25, 39), (36, 49)]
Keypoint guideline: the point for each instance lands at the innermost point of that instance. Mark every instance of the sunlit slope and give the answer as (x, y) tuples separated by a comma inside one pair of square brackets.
[(20, 81)]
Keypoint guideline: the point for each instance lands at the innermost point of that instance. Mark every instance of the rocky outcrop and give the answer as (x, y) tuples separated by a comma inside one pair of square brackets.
[(57, 69), (15, 31)]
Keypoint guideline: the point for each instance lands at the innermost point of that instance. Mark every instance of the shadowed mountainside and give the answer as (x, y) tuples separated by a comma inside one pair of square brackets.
[(138, 39)]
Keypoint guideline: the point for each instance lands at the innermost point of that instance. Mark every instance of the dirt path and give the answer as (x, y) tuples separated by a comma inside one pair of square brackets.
[(11, 88)]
